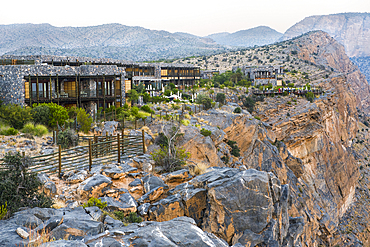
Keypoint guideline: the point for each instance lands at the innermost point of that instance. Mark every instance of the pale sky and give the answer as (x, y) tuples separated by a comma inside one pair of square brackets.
[(197, 17)]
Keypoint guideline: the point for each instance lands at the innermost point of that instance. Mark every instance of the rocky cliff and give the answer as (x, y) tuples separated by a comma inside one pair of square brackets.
[(349, 29)]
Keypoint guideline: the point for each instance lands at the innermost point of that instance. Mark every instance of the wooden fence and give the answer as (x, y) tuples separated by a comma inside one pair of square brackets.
[(99, 150)]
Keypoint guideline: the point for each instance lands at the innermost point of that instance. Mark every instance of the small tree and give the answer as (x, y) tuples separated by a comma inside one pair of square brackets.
[(220, 97), (169, 156), (41, 114), (19, 187), (84, 120)]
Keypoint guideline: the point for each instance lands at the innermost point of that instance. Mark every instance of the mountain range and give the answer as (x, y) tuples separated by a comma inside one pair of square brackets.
[(352, 30)]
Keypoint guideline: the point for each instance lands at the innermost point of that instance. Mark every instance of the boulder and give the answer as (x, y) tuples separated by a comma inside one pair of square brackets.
[(180, 231), (50, 189), (111, 223), (77, 178), (22, 233), (43, 177), (114, 173), (177, 176), (136, 182), (151, 195), (9, 236), (64, 243), (93, 186), (126, 203), (151, 182), (76, 229), (167, 209)]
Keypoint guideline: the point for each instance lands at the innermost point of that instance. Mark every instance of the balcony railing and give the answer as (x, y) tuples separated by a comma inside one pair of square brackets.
[(66, 94)]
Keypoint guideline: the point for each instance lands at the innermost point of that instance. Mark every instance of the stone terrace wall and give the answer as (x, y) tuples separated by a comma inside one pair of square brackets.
[(12, 77)]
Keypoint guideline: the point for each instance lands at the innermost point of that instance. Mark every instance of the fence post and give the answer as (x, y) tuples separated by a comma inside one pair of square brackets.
[(143, 134), (104, 117), (119, 149), (135, 123), (144, 121), (90, 155), (151, 116), (57, 133), (60, 160)]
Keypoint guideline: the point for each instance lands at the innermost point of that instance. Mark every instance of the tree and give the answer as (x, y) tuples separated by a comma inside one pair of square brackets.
[(15, 115), (133, 95), (57, 114), (249, 103), (140, 88), (84, 120), (146, 97), (220, 97), (41, 114), (169, 156), (19, 187), (205, 100)]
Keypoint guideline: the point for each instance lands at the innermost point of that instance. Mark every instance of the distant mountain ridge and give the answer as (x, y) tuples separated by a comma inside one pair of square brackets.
[(352, 30), (261, 35), (109, 40)]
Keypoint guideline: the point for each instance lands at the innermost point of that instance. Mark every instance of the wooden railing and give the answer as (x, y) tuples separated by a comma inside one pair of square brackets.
[(99, 151)]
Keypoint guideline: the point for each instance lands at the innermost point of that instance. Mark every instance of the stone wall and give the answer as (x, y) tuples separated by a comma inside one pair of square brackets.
[(12, 77)]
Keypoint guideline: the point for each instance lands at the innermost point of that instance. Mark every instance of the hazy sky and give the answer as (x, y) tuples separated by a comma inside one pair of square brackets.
[(197, 17)]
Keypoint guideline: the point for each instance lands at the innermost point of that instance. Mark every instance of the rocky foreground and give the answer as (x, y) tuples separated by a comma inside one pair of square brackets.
[(292, 185)]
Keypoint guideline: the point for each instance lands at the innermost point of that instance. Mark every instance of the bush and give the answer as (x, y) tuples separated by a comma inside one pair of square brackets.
[(169, 156), (67, 138), (220, 97), (310, 96), (95, 202), (237, 110), (84, 120), (41, 114), (19, 187), (249, 103), (258, 118), (234, 148), (205, 100), (133, 218), (9, 132), (205, 132), (3, 210), (38, 130), (15, 115), (146, 109)]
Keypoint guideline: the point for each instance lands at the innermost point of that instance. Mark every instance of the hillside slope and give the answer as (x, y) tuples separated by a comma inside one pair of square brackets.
[(107, 41), (261, 35), (350, 29)]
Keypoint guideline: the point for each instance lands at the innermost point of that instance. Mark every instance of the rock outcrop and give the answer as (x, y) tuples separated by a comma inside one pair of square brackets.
[(349, 29)]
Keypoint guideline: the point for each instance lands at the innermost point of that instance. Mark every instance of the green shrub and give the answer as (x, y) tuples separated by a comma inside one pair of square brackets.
[(40, 130), (15, 115), (84, 120), (3, 210), (310, 96), (146, 109), (120, 215), (169, 156), (133, 218), (19, 187), (237, 110), (205, 132), (205, 100), (41, 114), (9, 131), (289, 103), (234, 148), (220, 97), (258, 118), (67, 138), (95, 202)]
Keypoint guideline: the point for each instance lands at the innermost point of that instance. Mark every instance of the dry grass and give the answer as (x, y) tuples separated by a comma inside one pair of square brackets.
[(58, 204), (198, 168)]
